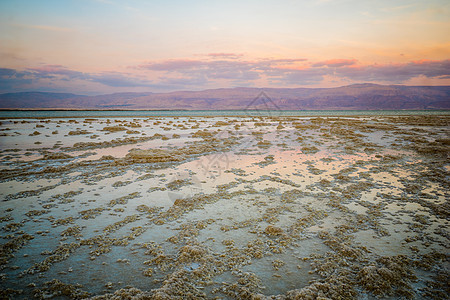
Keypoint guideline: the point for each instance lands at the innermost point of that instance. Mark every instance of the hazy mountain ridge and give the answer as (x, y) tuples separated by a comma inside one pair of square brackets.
[(357, 96)]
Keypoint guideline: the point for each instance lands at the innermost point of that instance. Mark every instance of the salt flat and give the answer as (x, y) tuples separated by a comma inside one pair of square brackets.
[(227, 207)]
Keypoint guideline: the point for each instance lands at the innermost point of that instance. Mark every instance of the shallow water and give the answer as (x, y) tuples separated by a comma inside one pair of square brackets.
[(228, 206)]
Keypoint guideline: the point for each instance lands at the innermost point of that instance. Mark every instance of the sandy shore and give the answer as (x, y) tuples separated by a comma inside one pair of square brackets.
[(225, 207)]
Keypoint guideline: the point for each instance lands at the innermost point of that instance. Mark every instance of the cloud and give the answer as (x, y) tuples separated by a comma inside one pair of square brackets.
[(11, 79), (396, 73), (225, 55), (291, 71), (51, 28), (54, 71), (215, 71), (336, 63), (220, 68), (58, 75), (305, 76), (4, 72), (115, 79), (181, 82), (285, 60), (172, 65)]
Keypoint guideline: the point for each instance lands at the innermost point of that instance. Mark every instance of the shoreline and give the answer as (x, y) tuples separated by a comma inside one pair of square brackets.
[(187, 110)]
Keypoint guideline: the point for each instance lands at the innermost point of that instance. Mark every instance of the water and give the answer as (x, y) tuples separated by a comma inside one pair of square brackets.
[(228, 216), (193, 113)]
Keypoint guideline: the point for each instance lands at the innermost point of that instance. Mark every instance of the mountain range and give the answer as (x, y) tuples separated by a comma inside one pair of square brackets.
[(357, 96)]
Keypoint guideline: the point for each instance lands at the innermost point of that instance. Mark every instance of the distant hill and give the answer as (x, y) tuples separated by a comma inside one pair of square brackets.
[(33, 99), (65, 100), (357, 96)]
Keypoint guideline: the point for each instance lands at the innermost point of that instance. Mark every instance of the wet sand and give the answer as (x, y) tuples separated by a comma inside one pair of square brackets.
[(225, 207)]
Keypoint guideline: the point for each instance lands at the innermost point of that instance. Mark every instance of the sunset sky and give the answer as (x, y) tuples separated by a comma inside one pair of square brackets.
[(106, 46)]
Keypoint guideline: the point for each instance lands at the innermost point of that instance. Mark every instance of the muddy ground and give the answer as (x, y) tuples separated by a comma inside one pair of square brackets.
[(225, 207)]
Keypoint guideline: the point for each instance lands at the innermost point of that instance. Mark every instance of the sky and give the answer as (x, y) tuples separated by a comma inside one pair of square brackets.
[(106, 46)]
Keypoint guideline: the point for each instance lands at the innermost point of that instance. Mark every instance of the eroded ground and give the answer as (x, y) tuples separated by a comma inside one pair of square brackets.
[(225, 207)]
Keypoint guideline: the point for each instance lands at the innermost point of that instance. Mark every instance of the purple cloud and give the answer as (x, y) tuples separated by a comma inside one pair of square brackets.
[(11, 79), (5, 72)]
